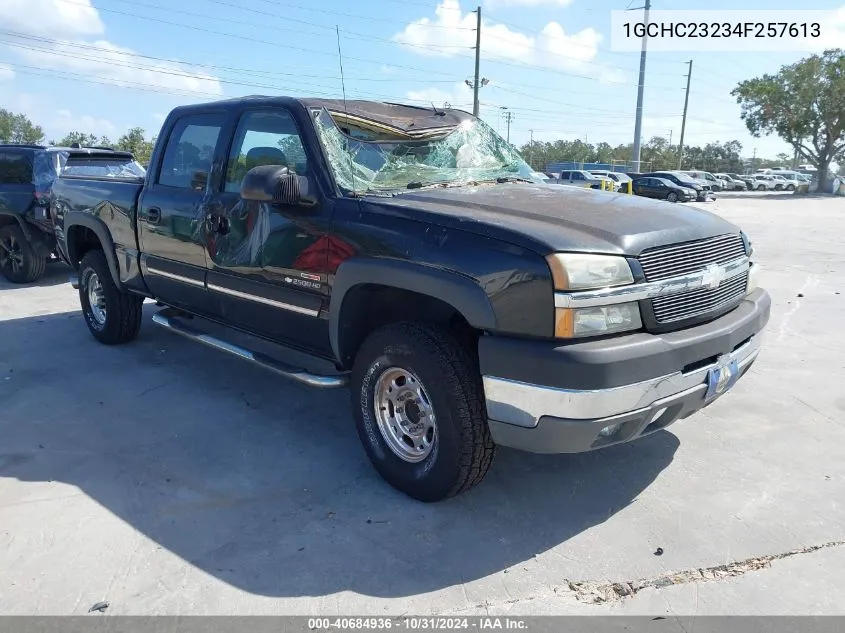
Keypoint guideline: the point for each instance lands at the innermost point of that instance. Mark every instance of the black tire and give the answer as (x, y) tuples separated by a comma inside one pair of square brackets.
[(462, 449), (790, 187), (672, 197), (761, 187), (19, 262), (121, 312)]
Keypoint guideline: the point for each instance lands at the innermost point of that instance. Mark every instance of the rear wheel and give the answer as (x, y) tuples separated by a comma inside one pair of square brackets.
[(761, 187), (19, 262), (790, 187), (419, 411), (113, 317), (672, 197)]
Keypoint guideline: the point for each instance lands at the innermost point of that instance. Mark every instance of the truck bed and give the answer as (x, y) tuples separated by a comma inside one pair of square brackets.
[(113, 201)]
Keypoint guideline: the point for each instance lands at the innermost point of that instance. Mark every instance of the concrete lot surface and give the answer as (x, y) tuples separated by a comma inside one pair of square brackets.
[(167, 478)]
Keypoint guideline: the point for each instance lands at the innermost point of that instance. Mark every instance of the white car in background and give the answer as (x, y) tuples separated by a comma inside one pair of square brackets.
[(731, 183), (764, 182), (619, 178)]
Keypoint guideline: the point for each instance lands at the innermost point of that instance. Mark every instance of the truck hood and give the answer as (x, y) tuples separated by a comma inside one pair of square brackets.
[(549, 218)]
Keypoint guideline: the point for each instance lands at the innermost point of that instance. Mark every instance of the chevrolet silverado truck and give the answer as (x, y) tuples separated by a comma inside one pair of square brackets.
[(465, 303)]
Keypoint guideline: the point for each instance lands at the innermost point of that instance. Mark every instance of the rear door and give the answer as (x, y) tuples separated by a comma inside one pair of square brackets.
[(172, 209), (268, 262)]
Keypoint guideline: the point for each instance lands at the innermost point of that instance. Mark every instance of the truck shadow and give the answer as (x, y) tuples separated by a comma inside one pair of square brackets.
[(262, 483)]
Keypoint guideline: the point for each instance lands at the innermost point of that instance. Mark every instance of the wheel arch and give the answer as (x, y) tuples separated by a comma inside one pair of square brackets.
[(83, 233), (368, 293)]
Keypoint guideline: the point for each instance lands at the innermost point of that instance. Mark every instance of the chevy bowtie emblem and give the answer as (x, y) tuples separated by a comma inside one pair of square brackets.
[(713, 276)]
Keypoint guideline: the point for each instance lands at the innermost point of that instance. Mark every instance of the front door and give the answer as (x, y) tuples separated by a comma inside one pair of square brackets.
[(171, 213), (268, 262)]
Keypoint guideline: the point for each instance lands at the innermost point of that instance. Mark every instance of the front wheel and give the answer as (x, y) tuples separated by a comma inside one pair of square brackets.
[(761, 187), (19, 262), (790, 187), (672, 197), (113, 317), (419, 411)]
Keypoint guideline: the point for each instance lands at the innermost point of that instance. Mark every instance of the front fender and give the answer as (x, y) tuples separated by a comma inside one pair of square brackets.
[(458, 291), (79, 218)]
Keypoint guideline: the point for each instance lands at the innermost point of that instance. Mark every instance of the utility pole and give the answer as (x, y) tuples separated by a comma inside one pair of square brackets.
[(684, 120), (477, 61), (508, 118), (531, 149), (638, 126)]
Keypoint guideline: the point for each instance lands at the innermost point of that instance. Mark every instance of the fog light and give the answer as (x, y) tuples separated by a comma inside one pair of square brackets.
[(610, 430)]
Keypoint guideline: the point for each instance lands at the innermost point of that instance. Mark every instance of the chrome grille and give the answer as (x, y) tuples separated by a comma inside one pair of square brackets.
[(699, 301), (681, 259)]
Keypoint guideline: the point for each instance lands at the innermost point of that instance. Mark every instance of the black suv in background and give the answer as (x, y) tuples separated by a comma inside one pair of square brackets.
[(681, 179), (27, 172)]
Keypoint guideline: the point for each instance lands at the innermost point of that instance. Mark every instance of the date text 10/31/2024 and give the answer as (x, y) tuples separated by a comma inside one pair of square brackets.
[(417, 623)]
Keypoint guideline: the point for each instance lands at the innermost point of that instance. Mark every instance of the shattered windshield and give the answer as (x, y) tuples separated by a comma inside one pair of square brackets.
[(471, 152)]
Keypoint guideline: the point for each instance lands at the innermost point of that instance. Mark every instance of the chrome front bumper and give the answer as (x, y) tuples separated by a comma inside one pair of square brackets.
[(550, 420)]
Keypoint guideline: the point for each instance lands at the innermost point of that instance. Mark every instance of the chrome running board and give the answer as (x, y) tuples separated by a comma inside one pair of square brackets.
[(168, 318)]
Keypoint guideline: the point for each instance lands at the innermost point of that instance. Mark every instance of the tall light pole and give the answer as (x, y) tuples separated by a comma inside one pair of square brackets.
[(638, 125), (684, 120)]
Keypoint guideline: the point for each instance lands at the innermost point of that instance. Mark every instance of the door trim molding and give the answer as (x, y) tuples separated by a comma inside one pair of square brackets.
[(264, 300), (186, 280)]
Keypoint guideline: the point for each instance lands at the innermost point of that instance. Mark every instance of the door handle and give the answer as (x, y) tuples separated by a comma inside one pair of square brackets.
[(153, 215)]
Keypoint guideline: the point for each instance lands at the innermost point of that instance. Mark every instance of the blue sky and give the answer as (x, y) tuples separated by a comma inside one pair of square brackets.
[(102, 66)]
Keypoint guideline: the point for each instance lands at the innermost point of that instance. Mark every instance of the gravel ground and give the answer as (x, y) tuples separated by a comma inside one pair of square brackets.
[(166, 478)]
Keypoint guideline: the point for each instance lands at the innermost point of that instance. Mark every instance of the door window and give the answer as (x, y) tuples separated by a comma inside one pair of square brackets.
[(265, 137), (189, 153)]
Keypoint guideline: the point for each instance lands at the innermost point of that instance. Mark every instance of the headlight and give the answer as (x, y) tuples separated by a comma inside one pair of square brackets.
[(577, 322), (749, 250), (573, 271), (753, 278)]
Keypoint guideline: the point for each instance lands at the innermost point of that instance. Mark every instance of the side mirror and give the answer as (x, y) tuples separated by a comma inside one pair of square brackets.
[(275, 184)]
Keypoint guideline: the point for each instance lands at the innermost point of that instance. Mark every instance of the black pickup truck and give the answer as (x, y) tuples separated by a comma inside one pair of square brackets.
[(464, 302)]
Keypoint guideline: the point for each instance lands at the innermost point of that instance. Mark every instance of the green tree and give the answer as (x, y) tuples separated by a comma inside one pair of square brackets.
[(17, 128), (134, 141), (804, 104), (85, 140)]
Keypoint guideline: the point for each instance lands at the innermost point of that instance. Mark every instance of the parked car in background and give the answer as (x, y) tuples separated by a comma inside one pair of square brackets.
[(781, 183), (662, 189), (744, 178), (621, 179), (682, 179), (764, 182), (731, 183), (706, 176), (581, 178)]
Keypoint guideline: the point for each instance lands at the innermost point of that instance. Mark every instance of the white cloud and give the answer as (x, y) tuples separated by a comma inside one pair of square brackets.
[(7, 73), (52, 18), (116, 63), (452, 32), (460, 96), (72, 22), (65, 121)]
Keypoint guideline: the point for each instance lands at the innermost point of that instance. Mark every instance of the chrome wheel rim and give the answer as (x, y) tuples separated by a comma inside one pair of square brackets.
[(11, 254), (96, 299), (404, 415)]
